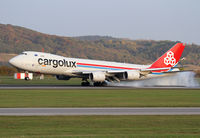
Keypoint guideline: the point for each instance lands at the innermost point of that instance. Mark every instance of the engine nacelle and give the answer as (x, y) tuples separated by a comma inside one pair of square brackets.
[(62, 77), (98, 76), (132, 75)]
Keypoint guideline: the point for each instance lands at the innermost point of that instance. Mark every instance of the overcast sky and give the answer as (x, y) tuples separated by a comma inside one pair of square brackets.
[(134, 19)]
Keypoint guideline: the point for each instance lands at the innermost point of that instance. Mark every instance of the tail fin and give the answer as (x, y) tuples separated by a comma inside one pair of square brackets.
[(170, 58)]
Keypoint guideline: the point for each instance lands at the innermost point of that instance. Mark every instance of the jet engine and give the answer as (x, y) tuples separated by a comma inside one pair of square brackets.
[(132, 75), (62, 77), (98, 76)]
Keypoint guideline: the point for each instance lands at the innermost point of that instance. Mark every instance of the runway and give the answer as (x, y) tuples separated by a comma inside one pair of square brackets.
[(99, 111), (4, 87)]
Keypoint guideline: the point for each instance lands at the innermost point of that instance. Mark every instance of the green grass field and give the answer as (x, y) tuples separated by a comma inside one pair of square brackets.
[(96, 126), (100, 98), (49, 80), (100, 126)]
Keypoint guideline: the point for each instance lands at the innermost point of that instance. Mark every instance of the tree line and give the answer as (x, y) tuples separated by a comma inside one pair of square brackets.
[(6, 70), (14, 39)]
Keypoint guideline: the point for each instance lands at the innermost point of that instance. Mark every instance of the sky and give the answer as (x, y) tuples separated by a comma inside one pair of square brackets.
[(177, 20)]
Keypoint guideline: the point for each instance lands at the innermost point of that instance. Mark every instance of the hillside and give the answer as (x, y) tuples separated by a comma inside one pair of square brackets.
[(14, 40), (95, 38)]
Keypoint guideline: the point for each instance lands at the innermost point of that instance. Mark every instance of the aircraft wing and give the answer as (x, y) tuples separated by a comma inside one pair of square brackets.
[(113, 72), (121, 71), (145, 70)]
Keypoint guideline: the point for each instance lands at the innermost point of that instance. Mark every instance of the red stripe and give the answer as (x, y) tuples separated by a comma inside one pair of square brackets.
[(105, 66)]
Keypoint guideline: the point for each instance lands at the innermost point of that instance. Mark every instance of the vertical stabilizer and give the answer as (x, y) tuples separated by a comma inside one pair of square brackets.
[(170, 58)]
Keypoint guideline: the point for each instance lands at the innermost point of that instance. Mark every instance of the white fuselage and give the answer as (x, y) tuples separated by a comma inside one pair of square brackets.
[(95, 70), (46, 63), (54, 64)]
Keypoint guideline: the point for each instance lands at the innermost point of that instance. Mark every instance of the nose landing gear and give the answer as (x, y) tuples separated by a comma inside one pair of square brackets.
[(27, 78)]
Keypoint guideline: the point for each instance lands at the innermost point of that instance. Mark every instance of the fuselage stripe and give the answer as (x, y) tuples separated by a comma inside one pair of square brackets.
[(97, 67), (102, 66)]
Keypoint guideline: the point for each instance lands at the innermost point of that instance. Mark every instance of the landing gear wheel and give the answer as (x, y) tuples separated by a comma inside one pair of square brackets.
[(85, 84), (27, 78), (100, 83), (97, 84)]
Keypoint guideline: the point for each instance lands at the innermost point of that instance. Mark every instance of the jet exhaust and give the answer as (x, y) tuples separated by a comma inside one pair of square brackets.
[(181, 79)]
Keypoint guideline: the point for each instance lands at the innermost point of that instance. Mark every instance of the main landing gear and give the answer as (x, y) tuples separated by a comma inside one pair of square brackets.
[(100, 83), (86, 83)]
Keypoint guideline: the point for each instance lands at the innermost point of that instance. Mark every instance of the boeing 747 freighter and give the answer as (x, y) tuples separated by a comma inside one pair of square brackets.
[(96, 71)]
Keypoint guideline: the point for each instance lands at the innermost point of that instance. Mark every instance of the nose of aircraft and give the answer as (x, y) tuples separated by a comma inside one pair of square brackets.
[(13, 61)]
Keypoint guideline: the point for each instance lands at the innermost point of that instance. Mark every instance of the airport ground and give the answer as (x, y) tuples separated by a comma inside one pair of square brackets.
[(97, 126), (100, 126), (49, 80), (100, 98)]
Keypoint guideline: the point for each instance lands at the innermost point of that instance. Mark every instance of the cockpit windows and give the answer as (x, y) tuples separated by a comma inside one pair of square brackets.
[(23, 53)]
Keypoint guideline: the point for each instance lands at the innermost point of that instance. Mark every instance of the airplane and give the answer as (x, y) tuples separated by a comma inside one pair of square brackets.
[(97, 72)]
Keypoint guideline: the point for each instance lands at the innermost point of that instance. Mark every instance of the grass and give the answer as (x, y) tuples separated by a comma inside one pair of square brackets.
[(49, 80), (100, 126), (97, 126), (100, 98)]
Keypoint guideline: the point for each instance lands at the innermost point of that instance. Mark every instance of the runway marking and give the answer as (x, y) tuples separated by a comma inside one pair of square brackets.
[(99, 111)]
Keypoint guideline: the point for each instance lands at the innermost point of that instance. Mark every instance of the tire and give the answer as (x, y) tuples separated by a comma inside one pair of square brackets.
[(27, 78), (85, 84), (96, 83), (100, 83)]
